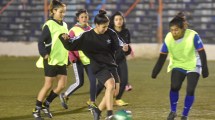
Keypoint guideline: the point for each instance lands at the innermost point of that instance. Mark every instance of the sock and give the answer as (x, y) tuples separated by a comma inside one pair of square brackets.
[(173, 100), (46, 103), (109, 112), (98, 110), (188, 102), (50, 98), (38, 105)]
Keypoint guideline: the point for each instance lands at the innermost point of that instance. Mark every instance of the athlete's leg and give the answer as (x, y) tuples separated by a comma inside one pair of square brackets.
[(177, 78), (79, 77), (123, 75), (61, 77), (99, 88), (62, 80), (46, 87), (107, 100), (106, 77), (116, 91), (50, 75), (192, 81), (92, 79)]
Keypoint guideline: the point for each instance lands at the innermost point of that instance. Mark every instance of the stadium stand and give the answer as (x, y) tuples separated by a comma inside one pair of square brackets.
[(22, 19)]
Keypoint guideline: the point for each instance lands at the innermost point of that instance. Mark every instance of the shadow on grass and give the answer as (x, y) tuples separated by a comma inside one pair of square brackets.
[(81, 93), (30, 117), (78, 110)]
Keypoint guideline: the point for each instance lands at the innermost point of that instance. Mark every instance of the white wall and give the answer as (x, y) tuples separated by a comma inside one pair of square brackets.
[(19, 48), (141, 50)]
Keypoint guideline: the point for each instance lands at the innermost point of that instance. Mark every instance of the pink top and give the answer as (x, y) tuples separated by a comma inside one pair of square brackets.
[(73, 55)]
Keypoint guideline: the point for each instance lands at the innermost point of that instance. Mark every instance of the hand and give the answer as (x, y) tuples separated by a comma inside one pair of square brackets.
[(74, 61), (125, 47), (46, 56), (154, 76), (65, 36), (154, 73)]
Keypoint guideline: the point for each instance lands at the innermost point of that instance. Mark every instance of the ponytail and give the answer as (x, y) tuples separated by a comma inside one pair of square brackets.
[(179, 20), (101, 17)]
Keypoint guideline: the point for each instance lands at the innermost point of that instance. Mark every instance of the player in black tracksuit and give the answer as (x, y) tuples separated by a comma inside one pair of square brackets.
[(100, 45), (117, 23)]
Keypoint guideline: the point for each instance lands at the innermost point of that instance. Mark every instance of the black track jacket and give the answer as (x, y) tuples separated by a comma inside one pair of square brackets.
[(100, 48)]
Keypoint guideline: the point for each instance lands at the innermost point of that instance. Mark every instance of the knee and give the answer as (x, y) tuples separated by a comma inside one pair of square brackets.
[(175, 88), (110, 87), (190, 92)]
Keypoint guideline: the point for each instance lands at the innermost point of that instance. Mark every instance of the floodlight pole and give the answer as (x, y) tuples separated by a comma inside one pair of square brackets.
[(160, 21), (46, 9)]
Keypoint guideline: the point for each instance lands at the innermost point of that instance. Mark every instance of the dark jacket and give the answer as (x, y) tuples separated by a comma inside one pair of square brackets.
[(100, 48)]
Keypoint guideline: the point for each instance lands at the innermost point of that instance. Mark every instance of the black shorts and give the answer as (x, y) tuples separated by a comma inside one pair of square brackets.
[(106, 74), (54, 70)]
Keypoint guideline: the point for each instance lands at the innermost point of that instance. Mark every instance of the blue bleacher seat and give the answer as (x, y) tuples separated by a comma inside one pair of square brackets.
[(142, 20)]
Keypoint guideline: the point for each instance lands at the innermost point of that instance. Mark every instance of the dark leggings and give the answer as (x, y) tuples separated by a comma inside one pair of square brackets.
[(79, 74), (122, 70), (177, 78)]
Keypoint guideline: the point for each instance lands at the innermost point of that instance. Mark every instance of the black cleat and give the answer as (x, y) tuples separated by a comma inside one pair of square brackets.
[(47, 111), (63, 101), (184, 118), (36, 114), (96, 113), (91, 106), (172, 116)]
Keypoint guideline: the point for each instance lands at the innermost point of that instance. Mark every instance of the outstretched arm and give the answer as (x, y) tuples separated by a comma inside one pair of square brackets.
[(158, 66), (70, 43)]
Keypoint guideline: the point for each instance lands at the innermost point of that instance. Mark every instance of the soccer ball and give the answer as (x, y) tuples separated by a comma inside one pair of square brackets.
[(123, 115)]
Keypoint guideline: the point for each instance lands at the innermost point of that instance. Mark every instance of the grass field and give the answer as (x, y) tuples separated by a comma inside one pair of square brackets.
[(20, 82)]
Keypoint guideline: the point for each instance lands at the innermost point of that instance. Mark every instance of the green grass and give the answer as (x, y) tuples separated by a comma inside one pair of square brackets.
[(20, 82)]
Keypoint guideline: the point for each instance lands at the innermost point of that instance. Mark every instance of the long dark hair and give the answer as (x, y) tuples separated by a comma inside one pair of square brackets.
[(179, 20), (80, 12), (111, 25), (101, 18)]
